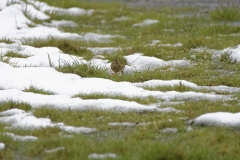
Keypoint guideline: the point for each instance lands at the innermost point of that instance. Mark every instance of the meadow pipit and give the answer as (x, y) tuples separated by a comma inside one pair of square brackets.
[(117, 65)]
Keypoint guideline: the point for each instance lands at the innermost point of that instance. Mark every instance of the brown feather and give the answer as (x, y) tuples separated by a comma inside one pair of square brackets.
[(117, 65)]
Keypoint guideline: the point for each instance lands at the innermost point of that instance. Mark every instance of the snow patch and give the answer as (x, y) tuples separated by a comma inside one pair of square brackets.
[(2, 146), (102, 156), (25, 120), (123, 18), (20, 138), (127, 124), (61, 23), (54, 150), (169, 130), (139, 63), (222, 119), (146, 22)]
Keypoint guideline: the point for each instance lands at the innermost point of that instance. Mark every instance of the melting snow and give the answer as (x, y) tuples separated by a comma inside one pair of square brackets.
[(123, 18), (102, 156), (127, 124), (21, 138), (158, 43), (169, 130), (233, 52), (217, 119), (55, 150), (107, 50), (2, 146), (171, 45), (35, 71), (146, 22), (44, 7), (138, 62), (16, 27), (62, 23), (20, 119)]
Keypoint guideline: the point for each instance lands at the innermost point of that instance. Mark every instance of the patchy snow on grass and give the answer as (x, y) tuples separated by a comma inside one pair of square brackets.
[(169, 130), (98, 37), (54, 150), (70, 11), (20, 119), (17, 26), (172, 83), (40, 57), (123, 18), (68, 85), (65, 102), (224, 119), (102, 156), (2, 146), (11, 112), (127, 124), (35, 71), (101, 50), (159, 43), (30, 11), (232, 52), (138, 62), (77, 130), (171, 45), (146, 22), (44, 7), (20, 138), (61, 23)]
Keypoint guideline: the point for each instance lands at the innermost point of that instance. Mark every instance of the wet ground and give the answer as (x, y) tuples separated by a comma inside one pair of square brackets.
[(204, 4)]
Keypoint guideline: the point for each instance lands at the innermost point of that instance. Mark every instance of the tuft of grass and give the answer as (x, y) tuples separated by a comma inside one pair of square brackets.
[(38, 90), (195, 42), (146, 100), (6, 40), (226, 13), (119, 55), (5, 60), (68, 46), (225, 57), (15, 54), (46, 132), (182, 88), (10, 104), (84, 69), (179, 88), (194, 109)]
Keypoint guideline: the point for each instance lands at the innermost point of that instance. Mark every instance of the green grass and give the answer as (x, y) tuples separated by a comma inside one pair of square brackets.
[(128, 143), (141, 100), (10, 104), (160, 146), (210, 29), (84, 69), (38, 90), (71, 47), (226, 13), (179, 88), (5, 60), (6, 40), (15, 54)]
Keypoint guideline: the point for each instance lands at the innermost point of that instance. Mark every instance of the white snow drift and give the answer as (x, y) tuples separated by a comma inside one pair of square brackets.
[(36, 71)]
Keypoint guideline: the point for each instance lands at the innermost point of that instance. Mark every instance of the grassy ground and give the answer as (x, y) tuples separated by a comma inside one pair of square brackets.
[(189, 26)]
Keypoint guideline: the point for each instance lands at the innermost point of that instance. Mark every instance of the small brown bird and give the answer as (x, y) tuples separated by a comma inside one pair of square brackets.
[(117, 65)]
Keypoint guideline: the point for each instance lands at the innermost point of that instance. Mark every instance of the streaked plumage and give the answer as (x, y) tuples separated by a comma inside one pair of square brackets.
[(117, 66)]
